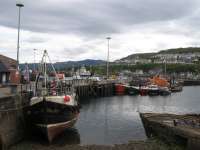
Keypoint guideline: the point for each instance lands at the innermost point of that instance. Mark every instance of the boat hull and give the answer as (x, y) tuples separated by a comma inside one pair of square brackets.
[(133, 91), (50, 131), (120, 89), (143, 91), (153, 92), (50, 118), (176, 88), (163, 92)]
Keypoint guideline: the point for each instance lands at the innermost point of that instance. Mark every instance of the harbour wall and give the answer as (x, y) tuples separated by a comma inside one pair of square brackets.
[(11, 121), (94, 90), (191, 82), (12, 124)]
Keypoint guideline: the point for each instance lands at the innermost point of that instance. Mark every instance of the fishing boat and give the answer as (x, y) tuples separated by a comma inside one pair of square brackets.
[(159, 86), (120, 89), (133, 90), (143, 90), (180, 129), (176, 88), (153, 90), (159, 81), (164, 91), (54, 106)]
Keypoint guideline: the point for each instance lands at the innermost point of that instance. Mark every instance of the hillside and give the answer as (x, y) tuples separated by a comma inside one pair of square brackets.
[(168, 51), (86, 62), (181, 50), (140, 55), (69, 64)]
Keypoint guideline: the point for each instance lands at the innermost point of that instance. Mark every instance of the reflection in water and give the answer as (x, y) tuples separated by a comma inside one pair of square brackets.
[(109, 120), (69, 137), (113, 120)]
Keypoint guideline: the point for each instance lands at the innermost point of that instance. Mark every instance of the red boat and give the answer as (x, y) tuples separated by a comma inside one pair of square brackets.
[(143, 90), (120, 89)]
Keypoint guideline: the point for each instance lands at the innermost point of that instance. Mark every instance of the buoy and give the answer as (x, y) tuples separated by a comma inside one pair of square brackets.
[(66, 98)]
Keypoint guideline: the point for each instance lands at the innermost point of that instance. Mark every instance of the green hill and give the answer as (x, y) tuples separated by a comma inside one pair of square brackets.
[(181, 50), (140, 55), (168, 51)]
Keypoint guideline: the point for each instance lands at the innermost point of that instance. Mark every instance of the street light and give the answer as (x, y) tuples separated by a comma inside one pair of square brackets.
[(19, 4), (165, 66), (34, 59), (108, 38)]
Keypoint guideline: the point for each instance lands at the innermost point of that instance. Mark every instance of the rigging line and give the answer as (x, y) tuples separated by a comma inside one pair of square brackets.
[(54, 71), (40, 69)]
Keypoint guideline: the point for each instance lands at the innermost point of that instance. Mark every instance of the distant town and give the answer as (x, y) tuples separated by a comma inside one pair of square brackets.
[(189, 55)]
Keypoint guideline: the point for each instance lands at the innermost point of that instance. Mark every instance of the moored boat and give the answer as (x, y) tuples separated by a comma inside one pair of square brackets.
[(159, 81), (153, 90), (133, 90), (159, 86), (164, 91), (143, 90), (120, 89), (176, 88), (54, 106), (52, 114)]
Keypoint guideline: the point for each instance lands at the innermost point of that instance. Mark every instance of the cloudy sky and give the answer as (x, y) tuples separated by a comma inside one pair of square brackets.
[(77, 29)]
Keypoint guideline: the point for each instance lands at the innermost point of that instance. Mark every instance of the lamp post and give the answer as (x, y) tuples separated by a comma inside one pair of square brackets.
[(107, 72), (19, 4), (165, 67), (34, 59)]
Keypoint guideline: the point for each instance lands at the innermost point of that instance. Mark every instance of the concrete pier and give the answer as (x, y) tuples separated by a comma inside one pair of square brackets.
[(95, 90), (12, 124), (180, 129)]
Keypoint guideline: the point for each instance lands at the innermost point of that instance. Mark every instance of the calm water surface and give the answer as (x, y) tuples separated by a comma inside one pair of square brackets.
[(113, 120)]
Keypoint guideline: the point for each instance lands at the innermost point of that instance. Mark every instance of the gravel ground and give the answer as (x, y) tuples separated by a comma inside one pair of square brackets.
[(152, 144)]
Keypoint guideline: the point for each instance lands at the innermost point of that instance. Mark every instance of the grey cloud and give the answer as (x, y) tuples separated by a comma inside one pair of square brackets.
[(74, 51), (33, 39), (92, 17)]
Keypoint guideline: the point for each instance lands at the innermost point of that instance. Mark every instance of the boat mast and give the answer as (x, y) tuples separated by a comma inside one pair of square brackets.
[(43, 70), (54, 70), (56, 75)]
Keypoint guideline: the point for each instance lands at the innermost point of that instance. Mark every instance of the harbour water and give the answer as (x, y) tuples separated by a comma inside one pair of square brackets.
[(115, 120)]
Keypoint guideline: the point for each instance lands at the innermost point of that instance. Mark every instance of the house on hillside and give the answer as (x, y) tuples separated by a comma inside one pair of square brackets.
[(8, 70)]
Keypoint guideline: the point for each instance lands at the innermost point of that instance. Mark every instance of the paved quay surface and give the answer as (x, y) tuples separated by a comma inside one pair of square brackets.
[(132, 145)]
